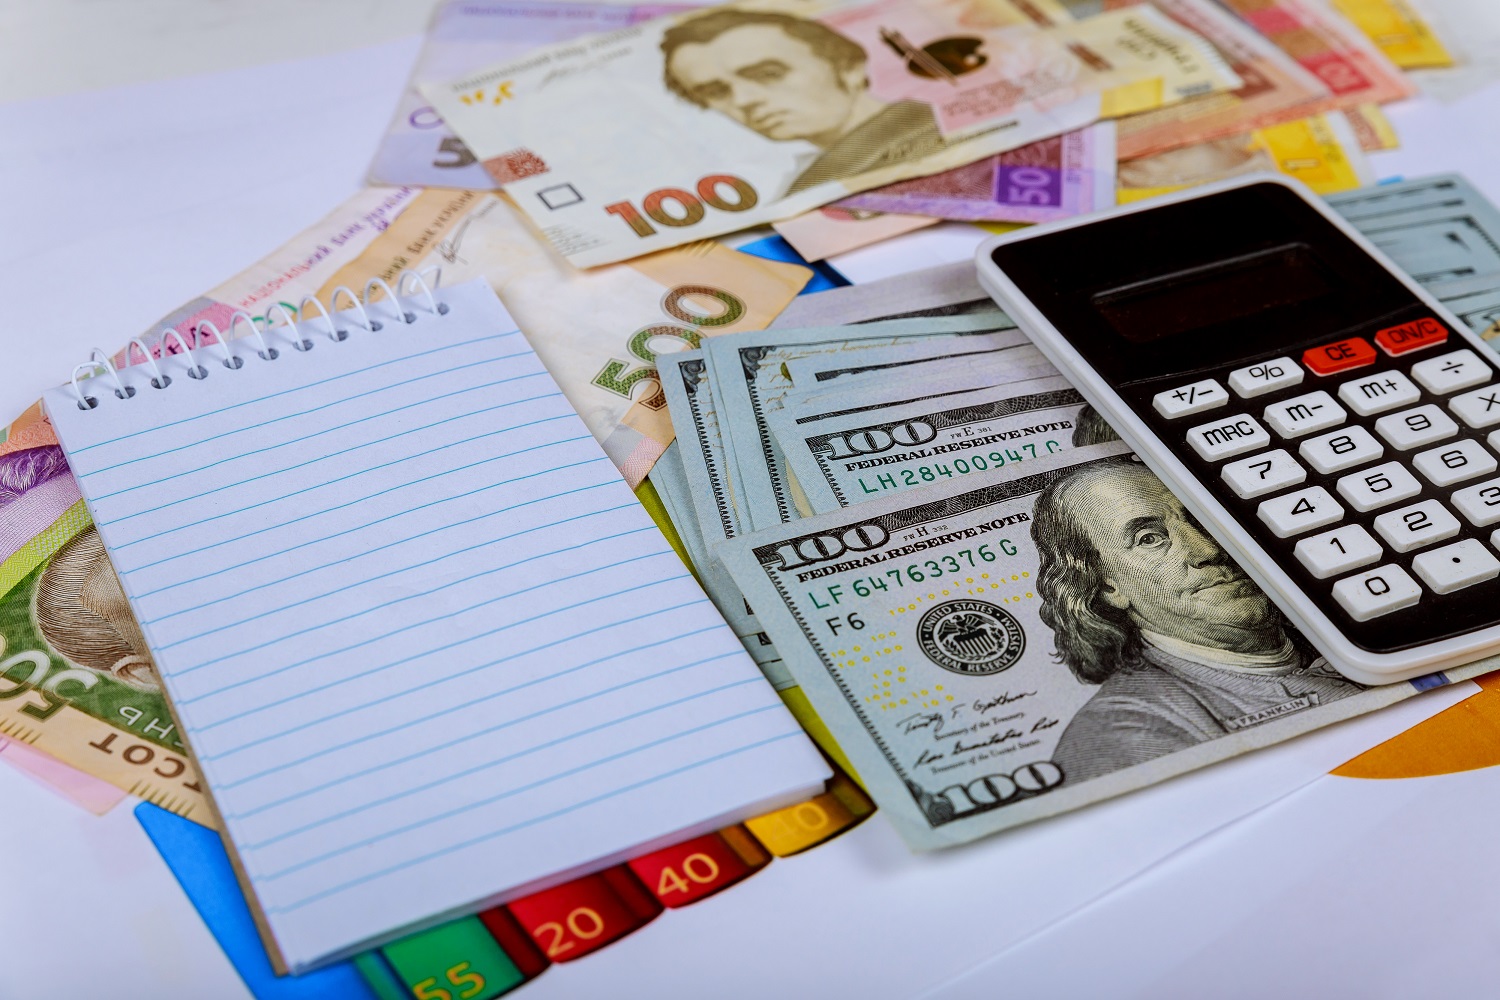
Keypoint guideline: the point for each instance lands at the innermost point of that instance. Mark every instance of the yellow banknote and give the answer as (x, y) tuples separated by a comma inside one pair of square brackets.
[(1320, 151), (1399, 30)]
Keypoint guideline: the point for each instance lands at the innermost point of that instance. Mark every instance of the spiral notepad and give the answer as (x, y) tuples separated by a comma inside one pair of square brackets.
[(427, 648)]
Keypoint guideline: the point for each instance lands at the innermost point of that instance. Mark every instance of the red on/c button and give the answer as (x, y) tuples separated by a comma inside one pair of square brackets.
[(1412, 336), (1326, 359)]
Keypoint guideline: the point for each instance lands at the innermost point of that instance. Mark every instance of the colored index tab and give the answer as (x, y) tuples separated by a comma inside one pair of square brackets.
[(570, 920), (1412, 336), (687, 872), (1340, 356), (455, 961), (807, 824)]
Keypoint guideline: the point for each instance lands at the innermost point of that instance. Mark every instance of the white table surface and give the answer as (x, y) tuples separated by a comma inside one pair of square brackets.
[(124, 202)]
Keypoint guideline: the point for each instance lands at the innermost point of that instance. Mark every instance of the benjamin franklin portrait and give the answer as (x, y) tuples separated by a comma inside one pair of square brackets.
[(79, 606), (791, 78), (1184, 647)]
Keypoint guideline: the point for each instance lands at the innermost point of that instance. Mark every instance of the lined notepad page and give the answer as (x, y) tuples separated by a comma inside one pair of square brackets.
[(426, 646)]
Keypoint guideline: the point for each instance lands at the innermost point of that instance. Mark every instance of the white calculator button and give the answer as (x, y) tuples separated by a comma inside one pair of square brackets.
[(1378, 393), (1478, 408), (1479, 503), (1338, 551), (1343, 449), (1377, 592), (1415, 526), (1228, 437), (1302, 511), (1379, 486), (1453, 463), (1189, 399), (1454, 567), (1415, 427), (1264, 473), (1265, 376), (1451, 372), (1315, 411)]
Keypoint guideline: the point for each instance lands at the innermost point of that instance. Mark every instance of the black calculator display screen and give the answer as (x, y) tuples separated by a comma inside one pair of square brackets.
[(1216, 293), (1201, 283)]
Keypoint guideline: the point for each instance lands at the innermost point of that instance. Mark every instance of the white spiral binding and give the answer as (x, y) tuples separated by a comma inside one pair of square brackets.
[(99, 362)]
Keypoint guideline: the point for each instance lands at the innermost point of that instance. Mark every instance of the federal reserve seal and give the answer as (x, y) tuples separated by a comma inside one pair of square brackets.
[(975, 638)]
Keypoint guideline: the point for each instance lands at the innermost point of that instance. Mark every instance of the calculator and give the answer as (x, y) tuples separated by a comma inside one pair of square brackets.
[(1322, 416)]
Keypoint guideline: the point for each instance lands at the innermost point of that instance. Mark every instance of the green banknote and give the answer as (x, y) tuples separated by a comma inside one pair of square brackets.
[(1007, 646), (76, 677)]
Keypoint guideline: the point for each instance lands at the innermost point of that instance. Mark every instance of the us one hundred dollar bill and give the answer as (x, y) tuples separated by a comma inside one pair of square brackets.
[(1001, 648), (705, 123), (846, 458)]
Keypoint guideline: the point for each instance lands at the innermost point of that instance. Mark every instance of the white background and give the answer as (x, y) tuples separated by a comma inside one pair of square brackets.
[(121, 204)]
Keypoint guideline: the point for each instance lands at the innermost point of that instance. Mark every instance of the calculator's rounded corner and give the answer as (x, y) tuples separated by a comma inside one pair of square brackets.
[(1377, 669)]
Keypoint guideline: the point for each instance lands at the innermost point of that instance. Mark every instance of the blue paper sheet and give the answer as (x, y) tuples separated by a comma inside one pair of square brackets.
[(197, 857)]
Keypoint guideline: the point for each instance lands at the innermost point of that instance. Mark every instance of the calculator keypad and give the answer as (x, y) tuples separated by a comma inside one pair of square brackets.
[(1370, 474)]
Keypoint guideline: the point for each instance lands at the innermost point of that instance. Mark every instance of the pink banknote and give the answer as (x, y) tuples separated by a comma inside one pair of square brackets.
[(1052, 179), (85, 790)]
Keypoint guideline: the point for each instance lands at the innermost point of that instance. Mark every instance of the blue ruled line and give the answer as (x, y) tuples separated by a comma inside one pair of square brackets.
[(517, 790), (497, 761), (400, 541), (371, 496), (405, 628), (367, 609), (429, 684), (556, 813)]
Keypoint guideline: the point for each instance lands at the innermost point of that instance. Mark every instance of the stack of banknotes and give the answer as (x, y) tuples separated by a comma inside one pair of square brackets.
[(885, 488), (623, 129), (905, 511)]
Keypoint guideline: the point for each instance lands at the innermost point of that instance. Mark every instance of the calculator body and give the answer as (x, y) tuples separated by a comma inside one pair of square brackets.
[(1323, 417)]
